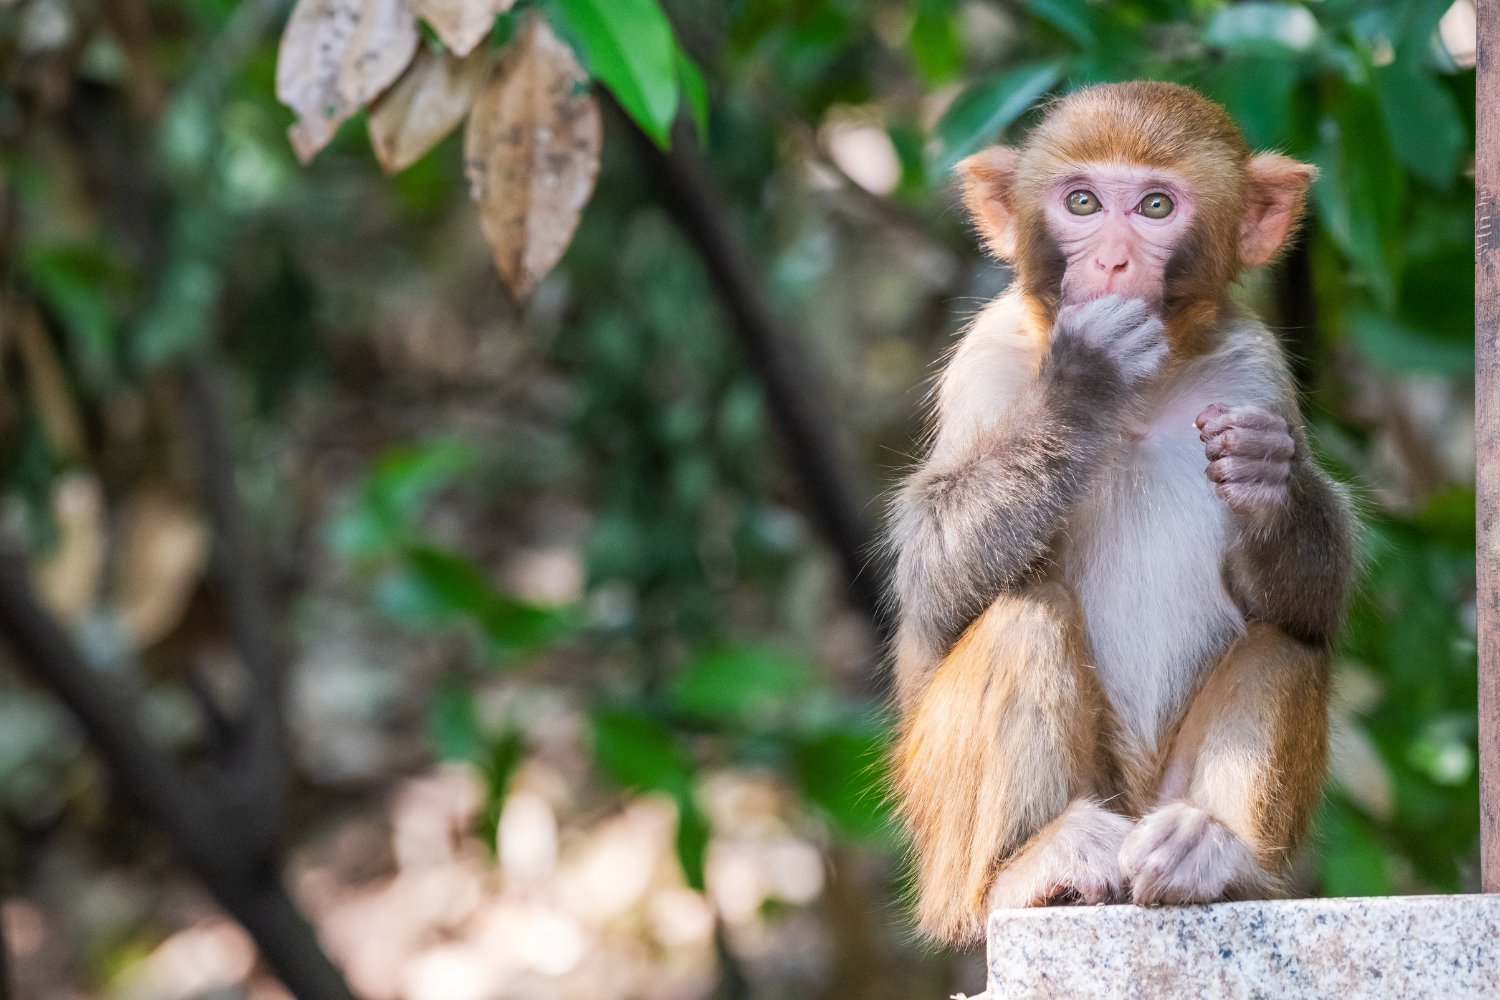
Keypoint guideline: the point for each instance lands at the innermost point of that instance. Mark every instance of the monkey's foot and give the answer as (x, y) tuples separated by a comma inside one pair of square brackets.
[(1073, 859), (1181, 854)]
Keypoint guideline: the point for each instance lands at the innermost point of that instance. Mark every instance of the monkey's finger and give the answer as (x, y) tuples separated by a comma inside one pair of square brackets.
[(1211, 414), (1250, 444), (1233, 469), (1217, 418)]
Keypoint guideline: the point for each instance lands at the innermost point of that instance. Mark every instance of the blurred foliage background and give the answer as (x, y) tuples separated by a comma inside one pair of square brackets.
[(576, 698)]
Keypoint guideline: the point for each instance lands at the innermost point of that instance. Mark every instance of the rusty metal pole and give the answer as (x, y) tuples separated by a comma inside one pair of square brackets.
[(1487, 427)]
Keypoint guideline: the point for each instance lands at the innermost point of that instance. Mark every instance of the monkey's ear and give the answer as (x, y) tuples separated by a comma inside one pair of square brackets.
[(989, 185), (1275, 189)]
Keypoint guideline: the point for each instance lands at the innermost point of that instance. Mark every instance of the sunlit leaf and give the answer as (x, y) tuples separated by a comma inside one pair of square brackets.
[(336, 56), (628, 45), (461, 24), (1263, 29), (987, 108), (531, 152), (428, 102)]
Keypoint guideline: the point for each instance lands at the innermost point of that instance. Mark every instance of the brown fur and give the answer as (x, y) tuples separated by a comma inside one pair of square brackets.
[(1005, 735), (1254, 745), (1012, 728)]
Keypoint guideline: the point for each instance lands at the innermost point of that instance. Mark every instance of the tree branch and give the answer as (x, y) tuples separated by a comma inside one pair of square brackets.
[(774, 353), (255, 785), (214, 848)]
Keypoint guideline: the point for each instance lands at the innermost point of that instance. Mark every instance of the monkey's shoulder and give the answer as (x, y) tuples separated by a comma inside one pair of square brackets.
[(986, 371)]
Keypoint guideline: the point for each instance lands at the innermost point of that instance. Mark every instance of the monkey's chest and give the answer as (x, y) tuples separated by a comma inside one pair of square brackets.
[(1144, 552)]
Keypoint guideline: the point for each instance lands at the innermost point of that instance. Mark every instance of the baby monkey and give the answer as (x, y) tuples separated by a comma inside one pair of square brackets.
[(1119, 566)]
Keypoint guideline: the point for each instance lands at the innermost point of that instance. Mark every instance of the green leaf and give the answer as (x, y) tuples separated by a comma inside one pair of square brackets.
[(694, 91), (1354, 861), (392, 495), (1073, 18), (75, 280), (1423, 121), (1390, 344), (692, 840), (1282, 30), (638, 752), (1257, 92), (987, 108), (628, 45), (934, 43), (453, 723), (740, 684), (440, 588), (498, 762), (842, 773), (1358, 198), (453, 584), (182, 314)]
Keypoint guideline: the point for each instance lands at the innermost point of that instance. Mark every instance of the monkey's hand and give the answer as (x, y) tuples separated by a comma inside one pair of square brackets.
[(1112, 336), (1250, 453)]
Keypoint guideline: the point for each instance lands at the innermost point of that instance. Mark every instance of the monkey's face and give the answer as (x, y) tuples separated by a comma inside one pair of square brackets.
[(1142, 189), (1116, 227)]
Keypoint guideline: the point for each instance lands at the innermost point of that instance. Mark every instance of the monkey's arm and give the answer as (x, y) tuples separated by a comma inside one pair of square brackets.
[(1291, 562), (973, 525)]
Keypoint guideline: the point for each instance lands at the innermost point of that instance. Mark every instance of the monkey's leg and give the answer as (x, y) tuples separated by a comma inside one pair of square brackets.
[(1242, 780), (1003, 741)]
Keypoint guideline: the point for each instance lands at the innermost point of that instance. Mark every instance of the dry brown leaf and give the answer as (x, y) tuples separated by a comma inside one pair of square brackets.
[(427, 103), (531, 152), (67, 578), (62, 424), (336, 56), (161, 557), (461, 24)]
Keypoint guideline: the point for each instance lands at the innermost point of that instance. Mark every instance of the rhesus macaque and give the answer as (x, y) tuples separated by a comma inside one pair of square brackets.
[(1119, 565)]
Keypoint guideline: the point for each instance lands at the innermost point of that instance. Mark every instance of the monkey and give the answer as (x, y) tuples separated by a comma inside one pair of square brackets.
[(1118, 568)]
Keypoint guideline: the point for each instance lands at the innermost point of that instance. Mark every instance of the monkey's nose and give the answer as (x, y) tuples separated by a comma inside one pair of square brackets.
[(1110, 267)]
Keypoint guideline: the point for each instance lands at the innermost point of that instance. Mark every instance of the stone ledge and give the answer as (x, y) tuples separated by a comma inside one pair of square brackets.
[(1398, 947)]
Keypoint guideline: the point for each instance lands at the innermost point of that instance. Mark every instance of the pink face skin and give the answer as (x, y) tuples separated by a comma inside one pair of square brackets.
[(1116, 248)]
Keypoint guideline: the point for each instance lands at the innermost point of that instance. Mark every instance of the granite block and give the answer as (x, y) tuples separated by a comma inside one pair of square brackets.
[(1390, 947)]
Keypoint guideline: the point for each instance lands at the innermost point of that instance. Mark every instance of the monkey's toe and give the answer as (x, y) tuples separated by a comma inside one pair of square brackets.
[(1181, 854), (1073, 860)]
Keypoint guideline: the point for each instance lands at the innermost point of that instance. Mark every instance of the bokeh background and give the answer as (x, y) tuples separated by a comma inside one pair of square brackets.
[(519, 644)]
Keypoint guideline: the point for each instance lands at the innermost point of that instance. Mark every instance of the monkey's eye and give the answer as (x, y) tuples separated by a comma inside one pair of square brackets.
[(1156, 206), (1082, 202)]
